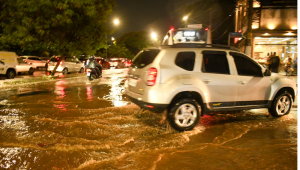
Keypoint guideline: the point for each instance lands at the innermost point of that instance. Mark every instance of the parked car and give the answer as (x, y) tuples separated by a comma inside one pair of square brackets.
[(8, 64), (104, 62), (127, 62), (23, 67), (36, 61), (190, 80), (116, 63), (66, 65), (45, 59)]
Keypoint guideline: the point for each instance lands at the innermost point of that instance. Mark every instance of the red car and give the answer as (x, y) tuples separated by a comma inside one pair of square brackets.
[(104, 62), (127, 62)]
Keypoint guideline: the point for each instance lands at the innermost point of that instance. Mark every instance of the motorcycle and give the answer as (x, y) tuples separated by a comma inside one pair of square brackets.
[(90, 74)]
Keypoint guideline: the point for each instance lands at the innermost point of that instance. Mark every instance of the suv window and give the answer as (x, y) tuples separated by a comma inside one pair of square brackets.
[(145, 58), (245, 66), (215, 62), (186, 60)]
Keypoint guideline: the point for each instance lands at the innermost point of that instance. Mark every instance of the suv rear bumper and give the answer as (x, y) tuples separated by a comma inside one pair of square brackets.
[(156, 108)]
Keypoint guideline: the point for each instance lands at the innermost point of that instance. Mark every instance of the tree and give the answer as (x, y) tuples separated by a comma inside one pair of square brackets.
[(64, 27), (136, 41)]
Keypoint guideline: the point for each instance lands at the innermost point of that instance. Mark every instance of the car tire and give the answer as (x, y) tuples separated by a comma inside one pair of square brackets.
[(31, 71), (81, 70), (65, 71), (281, 105), (10, 74), (184, 121)]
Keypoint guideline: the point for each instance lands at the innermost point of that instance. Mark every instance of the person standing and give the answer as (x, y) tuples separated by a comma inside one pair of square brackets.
[(274, 63)]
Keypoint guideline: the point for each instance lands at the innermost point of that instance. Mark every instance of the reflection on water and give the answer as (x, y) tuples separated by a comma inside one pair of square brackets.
[(116, 92)]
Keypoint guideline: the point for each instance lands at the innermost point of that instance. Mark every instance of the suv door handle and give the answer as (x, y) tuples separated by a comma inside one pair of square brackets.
[(242, 82), (206, 81)]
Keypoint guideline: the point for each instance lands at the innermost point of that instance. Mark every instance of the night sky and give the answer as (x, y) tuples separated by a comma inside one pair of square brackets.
[(142, 15)]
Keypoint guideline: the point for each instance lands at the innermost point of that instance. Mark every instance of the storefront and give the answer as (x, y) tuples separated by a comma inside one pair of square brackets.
[(283, 46)]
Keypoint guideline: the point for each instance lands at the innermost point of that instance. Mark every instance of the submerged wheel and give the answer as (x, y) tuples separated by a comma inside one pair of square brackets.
[(65, 71), (10, 74), (184, 115), (31, 70), (281, 105), (81, 70)]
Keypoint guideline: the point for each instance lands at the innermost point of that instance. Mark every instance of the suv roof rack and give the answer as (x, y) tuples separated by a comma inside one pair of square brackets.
[(196, 45)]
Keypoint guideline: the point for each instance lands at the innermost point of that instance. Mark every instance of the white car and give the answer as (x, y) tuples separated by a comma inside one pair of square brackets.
[(23, 67), (36, 61), (190, 80), (66, 65), (8, 63)]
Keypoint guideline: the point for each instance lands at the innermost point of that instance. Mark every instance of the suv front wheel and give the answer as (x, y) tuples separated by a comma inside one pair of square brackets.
[(184, 115), (281, 105)]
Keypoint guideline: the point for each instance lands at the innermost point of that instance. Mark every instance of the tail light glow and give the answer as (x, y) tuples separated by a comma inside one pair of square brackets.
[(151, 78), (61, 63)]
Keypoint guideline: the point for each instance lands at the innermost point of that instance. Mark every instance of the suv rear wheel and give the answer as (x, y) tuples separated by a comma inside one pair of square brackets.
[(184, 114), (281, 105)]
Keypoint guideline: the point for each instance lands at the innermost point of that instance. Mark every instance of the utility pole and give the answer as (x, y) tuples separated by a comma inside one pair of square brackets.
[(248, 49), (209, 38)]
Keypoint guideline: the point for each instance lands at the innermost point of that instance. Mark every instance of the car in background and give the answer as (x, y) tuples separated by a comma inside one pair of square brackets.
[(45, 59), (116, 63), (104, 62), (8, 64), (127, 62), (66, 65), (23, 67), (34, 60)]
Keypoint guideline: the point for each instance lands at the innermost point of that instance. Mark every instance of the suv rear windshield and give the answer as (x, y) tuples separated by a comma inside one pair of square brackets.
[(145, 58)]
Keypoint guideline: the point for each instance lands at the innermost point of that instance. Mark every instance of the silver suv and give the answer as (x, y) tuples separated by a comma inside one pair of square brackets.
[(190, 80)]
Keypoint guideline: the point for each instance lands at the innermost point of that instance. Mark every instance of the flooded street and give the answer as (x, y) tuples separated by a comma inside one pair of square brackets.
[(71, 124)]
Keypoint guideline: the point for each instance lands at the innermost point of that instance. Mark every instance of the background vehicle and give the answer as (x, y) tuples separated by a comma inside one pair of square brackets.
[(189, 80), (23, 67), (36, 61), (66, 65), (117, 63), (104, 62), (8, 64), (127, 62)]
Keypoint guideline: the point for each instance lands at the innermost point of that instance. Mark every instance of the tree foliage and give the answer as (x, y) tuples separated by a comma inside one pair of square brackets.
[(136, 41), (60, 27)]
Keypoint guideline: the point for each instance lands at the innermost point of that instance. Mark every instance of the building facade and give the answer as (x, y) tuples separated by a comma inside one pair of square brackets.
[(274, 28)]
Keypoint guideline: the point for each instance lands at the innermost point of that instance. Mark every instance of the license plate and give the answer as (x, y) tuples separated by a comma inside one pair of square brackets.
[(132, 82), (88, 73)]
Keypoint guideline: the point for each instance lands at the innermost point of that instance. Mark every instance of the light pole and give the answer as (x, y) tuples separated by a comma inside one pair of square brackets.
[(116, 22)]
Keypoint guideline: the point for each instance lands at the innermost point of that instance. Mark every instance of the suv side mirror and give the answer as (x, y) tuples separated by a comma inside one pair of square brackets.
[(267, 73)]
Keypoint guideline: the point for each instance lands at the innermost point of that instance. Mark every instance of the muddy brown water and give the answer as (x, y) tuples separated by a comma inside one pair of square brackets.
[(69, 124)]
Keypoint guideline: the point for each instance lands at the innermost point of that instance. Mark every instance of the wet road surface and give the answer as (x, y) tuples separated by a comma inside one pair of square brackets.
[(69, 124)]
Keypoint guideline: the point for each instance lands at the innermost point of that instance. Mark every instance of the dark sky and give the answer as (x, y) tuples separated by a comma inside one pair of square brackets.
[(143, 15)]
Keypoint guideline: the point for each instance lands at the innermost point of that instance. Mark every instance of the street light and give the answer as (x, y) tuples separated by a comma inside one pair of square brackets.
[(116, 22), (154, 36), (185, 18)]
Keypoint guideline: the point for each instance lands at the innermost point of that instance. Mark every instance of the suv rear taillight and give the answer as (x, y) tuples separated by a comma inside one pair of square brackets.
[(151, 77)]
